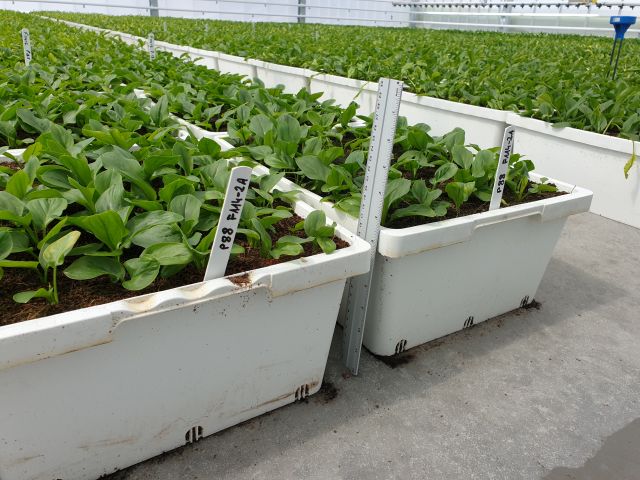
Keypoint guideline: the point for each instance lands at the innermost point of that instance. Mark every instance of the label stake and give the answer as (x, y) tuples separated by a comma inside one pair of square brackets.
[(26, 45), (375, 181), (152, 46), (503, 166), (234, 197)]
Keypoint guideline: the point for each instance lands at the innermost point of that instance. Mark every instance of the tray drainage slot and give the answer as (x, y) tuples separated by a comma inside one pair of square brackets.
[(194, 434), (468, 322), (302, 392), (401, 346)]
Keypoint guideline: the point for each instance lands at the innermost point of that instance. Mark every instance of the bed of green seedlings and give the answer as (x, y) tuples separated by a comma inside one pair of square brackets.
[(558, 78), (315, 144), (99, 208), (71, 86), (107, 187), (430, 177), (75, 86), (117, 193)]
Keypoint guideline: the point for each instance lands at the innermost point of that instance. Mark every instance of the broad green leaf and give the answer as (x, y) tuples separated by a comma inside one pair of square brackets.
[(459, 192), (159, 111), (462, 156), (326, 244), (209, 146), (260, 124), (45, 210), (54, 254), (6, 244), (444, 172), (265, 238), (126, 165), (418, 138), (396, 189), (268, 182), (154, 163), (25, 297), (113, 198), (312, 146), (179, 186), (188, 206), (287, 249), (53, 232), (86, 268), (313, 168), (315, 225), (146, 220), (38, 124), (19, 184), (482, 162), (143, 271), (157, 234), (18, 264), (106, 227), (169, 253), (348, 113), (11, 204), (630, 162), (414, 211), (289, 129)]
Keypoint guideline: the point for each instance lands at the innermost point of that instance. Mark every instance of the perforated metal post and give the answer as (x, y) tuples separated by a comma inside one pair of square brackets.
[(153, 8), (302, 11)]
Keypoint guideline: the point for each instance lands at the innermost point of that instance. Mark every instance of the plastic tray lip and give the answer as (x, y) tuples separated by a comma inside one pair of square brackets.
[(572, 192)]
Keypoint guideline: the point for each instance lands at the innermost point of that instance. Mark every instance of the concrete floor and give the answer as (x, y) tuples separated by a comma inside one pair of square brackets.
[(550, 393)]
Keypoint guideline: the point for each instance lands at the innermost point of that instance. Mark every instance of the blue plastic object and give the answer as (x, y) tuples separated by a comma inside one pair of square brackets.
[(621, 24)]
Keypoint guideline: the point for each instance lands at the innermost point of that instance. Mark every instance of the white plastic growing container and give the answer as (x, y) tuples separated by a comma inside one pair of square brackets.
[(97, 389), (346, 90), (593, 160), (234, 64), (435, 279), (483, 126), (292, 78)]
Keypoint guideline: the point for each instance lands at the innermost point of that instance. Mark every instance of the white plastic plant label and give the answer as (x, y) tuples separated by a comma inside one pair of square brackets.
[(499, 182), (26, 45), (152, 46), (234, 197)]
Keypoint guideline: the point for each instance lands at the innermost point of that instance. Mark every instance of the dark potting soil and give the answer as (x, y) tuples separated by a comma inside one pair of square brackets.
[(213, 127), (79, 294), (470, 207), (12, 166)]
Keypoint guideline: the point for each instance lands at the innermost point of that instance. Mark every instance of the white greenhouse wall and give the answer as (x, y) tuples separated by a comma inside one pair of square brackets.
[(79, 7), (583, 19)]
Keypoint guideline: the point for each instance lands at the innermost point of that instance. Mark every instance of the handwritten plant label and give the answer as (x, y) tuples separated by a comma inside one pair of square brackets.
[(26, 45), (499, 183), (228, 224), (152, 46)]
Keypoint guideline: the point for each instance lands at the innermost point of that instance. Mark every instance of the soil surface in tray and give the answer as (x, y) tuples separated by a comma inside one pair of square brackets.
[(471, 206), (79, 294)]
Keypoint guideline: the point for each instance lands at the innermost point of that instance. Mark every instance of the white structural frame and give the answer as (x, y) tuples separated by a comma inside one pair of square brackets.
[(466, 15)]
